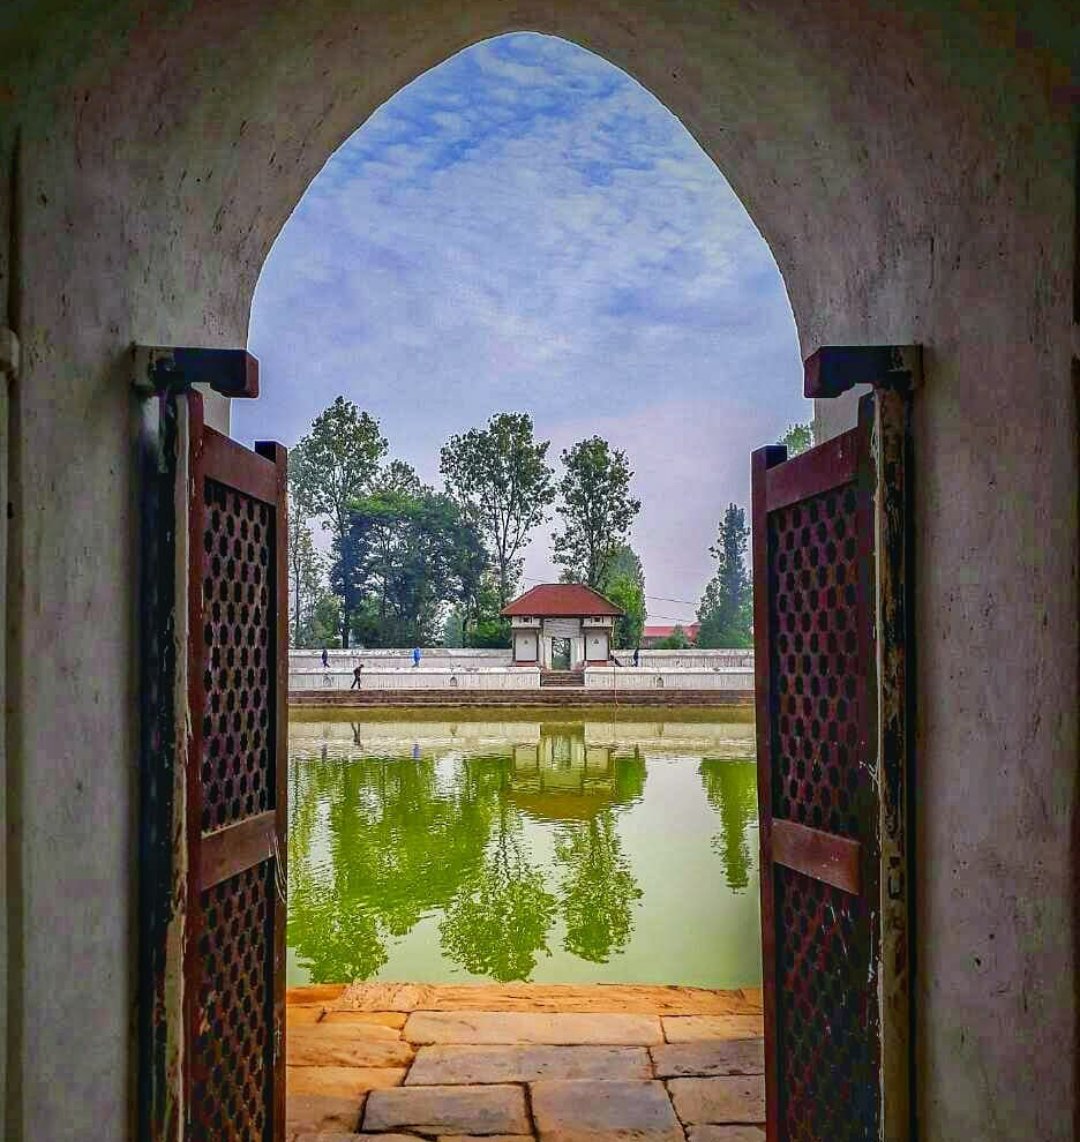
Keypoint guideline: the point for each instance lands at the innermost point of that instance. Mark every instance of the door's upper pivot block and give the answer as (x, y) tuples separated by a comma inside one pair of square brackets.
[(230, 372), (834, 369)]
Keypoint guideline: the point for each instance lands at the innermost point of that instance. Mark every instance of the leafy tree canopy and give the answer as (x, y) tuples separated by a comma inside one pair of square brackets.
[(725, 609), (623, 582), (596, 508), (500, 478), (798, 438)]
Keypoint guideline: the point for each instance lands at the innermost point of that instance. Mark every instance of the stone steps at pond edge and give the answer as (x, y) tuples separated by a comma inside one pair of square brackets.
[(562, 677), (578, 697)]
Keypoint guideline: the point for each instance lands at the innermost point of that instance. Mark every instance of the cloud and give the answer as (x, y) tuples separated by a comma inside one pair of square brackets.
[(526, 227)]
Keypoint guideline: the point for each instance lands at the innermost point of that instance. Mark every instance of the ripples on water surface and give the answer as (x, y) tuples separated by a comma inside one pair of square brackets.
[(571, 851)]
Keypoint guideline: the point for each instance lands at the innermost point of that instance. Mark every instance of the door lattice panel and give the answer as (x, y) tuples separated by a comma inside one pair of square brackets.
[(824, 1025), (813, 594), (233, 1048), (237, 763)]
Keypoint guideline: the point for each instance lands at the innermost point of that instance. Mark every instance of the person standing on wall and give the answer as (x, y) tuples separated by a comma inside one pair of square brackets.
[(416, 657)]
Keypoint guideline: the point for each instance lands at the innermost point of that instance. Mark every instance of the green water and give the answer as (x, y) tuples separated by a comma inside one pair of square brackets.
[(573, 850)]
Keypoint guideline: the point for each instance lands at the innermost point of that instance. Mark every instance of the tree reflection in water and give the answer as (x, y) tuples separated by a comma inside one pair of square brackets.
[(499, 920), (731, 787), (378, 843), (598, 889)]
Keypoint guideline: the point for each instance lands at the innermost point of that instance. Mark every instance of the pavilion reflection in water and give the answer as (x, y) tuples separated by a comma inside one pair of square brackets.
[(497, 845)]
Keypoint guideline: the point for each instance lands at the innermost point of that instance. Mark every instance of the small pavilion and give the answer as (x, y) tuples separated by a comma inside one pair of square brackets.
[(563, 626)]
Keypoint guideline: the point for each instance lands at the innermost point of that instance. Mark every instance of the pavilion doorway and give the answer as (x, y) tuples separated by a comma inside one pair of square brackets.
[(560, 654)]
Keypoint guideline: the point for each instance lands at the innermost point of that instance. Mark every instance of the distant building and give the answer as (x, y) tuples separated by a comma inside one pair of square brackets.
[(561, 626), (651, 635)]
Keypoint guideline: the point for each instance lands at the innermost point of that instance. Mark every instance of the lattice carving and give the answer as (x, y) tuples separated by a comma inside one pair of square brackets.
[(238, 757), (233, 1050), (817, 779), (824, 1004)]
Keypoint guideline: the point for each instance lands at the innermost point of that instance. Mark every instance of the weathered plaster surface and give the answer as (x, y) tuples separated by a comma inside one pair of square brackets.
[(912, 169)]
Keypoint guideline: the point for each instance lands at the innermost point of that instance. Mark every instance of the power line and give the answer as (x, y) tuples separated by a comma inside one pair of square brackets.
[(655, 598)]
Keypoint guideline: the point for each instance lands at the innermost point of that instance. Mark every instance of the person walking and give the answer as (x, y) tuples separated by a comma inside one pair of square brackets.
[(357, 674), (416, 657), (325, 658), (637, 655)]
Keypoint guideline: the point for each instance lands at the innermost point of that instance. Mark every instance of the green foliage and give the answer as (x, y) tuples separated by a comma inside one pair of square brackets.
[(731, 787), (402, 558), (596, 508), (500, 478), (623, 582), (798, 438), (725, 611), (306, 569), (598, 889), (326, 621), (330, 467), (454, 628), (677, 640)]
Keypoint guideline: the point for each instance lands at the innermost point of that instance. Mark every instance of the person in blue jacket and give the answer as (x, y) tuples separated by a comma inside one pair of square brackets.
[(416, 656)]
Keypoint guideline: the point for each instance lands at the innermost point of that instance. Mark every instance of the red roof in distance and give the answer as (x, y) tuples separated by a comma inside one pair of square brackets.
[(561, 600)]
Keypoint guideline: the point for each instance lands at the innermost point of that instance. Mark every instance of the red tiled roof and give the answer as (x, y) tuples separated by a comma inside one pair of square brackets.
[(689, 629), (561, 600)]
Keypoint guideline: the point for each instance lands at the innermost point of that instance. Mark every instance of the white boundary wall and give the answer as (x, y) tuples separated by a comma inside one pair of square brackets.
[(421, 678), (690, 678)]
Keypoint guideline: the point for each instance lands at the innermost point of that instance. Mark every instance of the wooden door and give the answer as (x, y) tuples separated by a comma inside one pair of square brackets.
[(214, 781), (830, 623)]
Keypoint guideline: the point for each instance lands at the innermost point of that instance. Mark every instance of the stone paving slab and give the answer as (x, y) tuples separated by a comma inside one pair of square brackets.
[(342, 1081), (640, 999), (327, 1112), (302, 1013), (448, 1110), (709, 1057), (461, 1063), (344, 1045), (590, 1111), (726, 1134), (732, 1099), (377, 1021), (689, 1028), (482, 1137), (562, 1028)]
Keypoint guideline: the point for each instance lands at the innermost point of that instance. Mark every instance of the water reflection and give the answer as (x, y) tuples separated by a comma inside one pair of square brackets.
[(515, 850)]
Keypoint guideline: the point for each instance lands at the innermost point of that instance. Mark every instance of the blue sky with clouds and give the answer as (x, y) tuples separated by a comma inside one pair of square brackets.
[(525, 227)]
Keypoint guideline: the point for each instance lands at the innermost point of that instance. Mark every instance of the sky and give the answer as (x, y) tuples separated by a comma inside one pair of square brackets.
[(526, 228)]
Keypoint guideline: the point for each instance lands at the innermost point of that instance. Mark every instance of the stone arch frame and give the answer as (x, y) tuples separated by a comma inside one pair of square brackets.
[(152, 154)]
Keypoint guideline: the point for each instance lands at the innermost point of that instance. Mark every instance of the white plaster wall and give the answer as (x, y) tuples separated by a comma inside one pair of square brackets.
[(422, 678), (912, 166), (689, 678)]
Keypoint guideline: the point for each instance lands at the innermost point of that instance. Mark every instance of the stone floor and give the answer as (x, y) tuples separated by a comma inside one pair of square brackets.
[(510, 1063)]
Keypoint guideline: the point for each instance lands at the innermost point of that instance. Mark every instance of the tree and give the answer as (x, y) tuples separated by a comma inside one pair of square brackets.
[(334, 464), (623, 582), (677, 640), (596, 507), (798, 438), (725, 609), (403, 558), (500, 478), (305, 575)]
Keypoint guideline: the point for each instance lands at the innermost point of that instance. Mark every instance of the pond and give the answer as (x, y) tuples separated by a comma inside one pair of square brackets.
[(462, 846)]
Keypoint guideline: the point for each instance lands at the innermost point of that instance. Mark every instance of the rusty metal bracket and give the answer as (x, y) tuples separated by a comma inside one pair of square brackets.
[(230, 372), (834, 369)]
